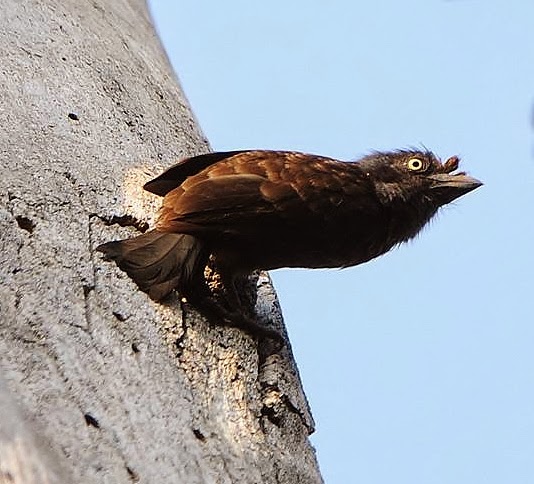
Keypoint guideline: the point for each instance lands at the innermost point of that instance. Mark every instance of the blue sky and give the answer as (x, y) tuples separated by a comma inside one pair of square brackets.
[(419, 366)]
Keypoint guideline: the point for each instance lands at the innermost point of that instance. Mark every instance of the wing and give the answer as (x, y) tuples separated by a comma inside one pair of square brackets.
[(177, 174), (255, 191)]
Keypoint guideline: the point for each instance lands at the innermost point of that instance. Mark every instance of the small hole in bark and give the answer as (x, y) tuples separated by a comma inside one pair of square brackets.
[(270, 413), (87, 289), (135, 348), (199, 435), (69, 176), (133, 475), (73, 116), (25, 223), (90, 420), (6, 476), (121, 317)]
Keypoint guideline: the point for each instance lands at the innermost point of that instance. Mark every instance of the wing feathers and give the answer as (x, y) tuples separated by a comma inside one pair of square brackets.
[(262, 185), (176, 174)]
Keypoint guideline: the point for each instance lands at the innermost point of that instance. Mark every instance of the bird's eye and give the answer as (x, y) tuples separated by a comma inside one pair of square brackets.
[(415, 164)]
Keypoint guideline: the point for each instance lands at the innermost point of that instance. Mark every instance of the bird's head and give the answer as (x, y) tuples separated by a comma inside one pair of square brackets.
[(417, 177)]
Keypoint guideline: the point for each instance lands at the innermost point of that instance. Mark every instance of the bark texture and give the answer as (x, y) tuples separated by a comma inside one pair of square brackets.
[(98, 384)]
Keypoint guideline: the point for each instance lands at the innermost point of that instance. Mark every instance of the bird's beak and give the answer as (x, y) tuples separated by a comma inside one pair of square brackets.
[(451, 186)]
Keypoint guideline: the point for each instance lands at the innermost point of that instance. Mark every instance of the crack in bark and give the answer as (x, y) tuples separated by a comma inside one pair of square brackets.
[(88, 288), (125, 220), (276, 402), (178, 343), (132, 474)]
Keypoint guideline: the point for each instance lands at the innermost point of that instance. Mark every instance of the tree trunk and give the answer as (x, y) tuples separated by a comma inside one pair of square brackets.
[(98, 383)]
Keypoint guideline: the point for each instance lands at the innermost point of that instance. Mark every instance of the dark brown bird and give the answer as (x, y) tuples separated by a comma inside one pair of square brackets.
[(269, 209)]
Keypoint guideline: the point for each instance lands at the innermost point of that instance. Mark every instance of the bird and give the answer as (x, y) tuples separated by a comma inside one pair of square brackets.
[(250, 210)]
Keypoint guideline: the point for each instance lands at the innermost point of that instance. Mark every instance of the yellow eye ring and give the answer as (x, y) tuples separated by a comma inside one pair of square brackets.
[(415, 164)]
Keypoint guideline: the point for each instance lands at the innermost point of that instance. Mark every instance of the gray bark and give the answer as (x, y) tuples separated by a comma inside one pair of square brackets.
[(98, 383)]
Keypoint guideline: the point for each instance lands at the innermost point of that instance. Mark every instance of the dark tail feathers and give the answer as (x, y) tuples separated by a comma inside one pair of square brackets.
[(158, 262)]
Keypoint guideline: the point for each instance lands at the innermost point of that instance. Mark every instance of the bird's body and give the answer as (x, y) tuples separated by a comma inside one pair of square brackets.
[(269, 209), (277, 209)]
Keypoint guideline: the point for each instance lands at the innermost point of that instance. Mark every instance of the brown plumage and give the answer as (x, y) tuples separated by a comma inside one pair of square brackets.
[(269, 209)]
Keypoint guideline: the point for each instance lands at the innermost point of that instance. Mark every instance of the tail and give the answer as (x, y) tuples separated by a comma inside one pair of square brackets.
[(159, 262)]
